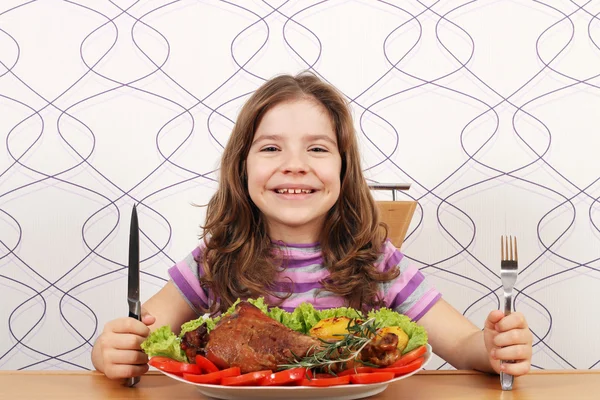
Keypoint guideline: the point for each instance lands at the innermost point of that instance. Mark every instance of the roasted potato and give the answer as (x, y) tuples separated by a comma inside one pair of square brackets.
[(328, 328)]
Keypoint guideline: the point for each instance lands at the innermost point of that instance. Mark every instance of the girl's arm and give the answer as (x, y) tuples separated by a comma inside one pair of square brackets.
[(454, 338), (169, 307)]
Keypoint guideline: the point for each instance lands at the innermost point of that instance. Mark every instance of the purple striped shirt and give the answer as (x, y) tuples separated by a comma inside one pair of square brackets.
[(408, 294)]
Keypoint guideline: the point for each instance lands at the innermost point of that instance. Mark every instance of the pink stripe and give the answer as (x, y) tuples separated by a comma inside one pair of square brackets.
[(423, 302), (319, 303), (191, 279), (303, 277), (400, 284), (391, 257)]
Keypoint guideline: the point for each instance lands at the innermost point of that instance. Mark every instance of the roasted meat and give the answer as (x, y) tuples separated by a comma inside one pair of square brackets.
[(382, 351), (194, 342), (249, 339)]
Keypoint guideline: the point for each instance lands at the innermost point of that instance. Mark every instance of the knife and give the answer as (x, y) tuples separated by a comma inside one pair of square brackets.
[(133, 279)]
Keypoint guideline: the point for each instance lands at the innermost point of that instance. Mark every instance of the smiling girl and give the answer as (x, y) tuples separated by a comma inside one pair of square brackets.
[(293, 220)]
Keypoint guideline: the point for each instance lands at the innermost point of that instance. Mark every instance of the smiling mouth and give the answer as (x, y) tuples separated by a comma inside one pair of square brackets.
[(295, 191)]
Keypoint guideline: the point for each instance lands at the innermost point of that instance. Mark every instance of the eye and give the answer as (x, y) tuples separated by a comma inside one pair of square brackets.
[(319, 149), (269, 148)]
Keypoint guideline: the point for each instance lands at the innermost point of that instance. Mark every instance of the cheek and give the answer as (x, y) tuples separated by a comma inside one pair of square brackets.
[(333, 175), (257, 178)]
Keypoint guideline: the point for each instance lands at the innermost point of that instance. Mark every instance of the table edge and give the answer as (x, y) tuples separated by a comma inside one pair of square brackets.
[(421, 373)]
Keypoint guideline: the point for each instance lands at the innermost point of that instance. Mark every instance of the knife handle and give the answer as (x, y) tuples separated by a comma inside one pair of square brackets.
[(135, 312)]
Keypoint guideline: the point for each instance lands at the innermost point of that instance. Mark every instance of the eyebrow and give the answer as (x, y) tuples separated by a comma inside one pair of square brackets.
[(310, 138)]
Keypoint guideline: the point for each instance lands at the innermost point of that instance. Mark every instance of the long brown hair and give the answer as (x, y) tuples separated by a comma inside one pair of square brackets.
[(240, 261)]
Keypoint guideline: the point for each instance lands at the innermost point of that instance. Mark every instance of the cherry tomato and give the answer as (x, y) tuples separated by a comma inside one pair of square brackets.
[(205, 364), (410, 356), (249, 379), (371, 377), (324, 382), (213, 377), (284, 377)]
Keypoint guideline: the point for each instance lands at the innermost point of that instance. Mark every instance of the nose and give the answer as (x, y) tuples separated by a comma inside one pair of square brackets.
[(295, 164)]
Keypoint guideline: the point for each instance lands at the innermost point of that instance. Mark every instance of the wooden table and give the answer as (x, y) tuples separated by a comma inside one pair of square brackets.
[(463, 385)]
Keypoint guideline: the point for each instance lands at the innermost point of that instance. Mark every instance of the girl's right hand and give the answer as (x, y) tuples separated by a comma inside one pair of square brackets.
[(117, 352)]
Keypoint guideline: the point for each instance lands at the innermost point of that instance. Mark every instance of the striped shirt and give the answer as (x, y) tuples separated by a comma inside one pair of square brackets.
[(408, 294)]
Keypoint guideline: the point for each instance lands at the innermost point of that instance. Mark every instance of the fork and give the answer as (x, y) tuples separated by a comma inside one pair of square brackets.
[(508, 274)]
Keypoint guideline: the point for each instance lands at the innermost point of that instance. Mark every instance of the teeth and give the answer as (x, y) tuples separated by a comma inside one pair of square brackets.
[(294, 191)]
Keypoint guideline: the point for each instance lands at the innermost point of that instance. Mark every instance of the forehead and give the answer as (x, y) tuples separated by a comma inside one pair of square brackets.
[(296, 118)]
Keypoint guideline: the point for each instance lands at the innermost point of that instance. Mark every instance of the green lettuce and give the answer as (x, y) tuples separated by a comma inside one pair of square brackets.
[(340, 312), (417, 335), (306, 315), (163, 342), (260, 304), (195, 324), (287, 319)]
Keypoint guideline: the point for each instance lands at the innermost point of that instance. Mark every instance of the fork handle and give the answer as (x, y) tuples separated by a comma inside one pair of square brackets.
[(506, 380), (507, 303)]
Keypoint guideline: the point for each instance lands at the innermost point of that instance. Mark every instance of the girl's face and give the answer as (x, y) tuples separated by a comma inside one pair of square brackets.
[(294, 170)]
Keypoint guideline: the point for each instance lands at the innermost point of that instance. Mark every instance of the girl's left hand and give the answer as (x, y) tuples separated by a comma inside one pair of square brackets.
[(508, 338)]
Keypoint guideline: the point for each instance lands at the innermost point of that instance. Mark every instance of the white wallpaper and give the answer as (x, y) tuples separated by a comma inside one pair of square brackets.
[(489, 109)]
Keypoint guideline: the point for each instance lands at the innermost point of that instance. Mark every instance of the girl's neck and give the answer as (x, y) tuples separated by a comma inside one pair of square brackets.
[(292, 235)]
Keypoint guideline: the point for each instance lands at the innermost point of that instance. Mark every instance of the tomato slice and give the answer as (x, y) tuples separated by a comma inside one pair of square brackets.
[(205, 364), (357, 370), (249, 379), (189, 369), (410, 356), (213, 377), (405, 369), (285, 377), (175, 367), (324, 382), (371, 377)]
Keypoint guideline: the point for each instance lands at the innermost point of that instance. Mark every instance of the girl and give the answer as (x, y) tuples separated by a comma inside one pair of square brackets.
[(293, 220)]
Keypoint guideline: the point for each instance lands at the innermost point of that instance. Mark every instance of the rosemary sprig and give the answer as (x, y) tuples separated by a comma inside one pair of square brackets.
[(346, 349)]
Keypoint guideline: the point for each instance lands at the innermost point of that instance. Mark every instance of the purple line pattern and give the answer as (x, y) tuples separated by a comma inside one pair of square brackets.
[(489, 109)]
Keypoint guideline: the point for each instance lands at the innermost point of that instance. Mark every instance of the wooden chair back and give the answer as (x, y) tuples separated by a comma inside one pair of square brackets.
[(397, 215)]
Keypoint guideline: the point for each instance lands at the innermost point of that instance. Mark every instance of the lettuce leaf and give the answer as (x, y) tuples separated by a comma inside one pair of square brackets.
[(416, 333), (306, 315), (340, 312), (196, 323), (260, 304), (286, 318), (163, 342)]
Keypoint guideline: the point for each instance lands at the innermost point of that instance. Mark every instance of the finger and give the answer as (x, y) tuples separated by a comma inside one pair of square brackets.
[(493, 318), (147, 318), (127, 342), (120, 371), (516, 369), (128, 325), (512, 321), (128, 357), (517, 353), (512, 337)]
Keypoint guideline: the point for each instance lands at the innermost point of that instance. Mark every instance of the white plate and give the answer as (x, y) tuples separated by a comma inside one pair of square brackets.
[(343, 392)]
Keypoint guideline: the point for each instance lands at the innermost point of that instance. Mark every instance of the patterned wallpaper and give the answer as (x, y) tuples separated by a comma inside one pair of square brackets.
[(488, 108)]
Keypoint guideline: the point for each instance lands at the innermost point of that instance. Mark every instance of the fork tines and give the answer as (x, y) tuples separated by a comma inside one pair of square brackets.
[(507, 251)]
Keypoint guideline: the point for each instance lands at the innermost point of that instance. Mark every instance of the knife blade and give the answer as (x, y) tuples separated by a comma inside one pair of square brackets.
[(133, 278)]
